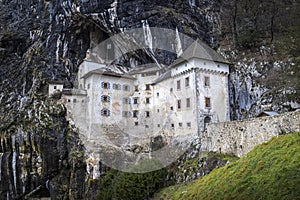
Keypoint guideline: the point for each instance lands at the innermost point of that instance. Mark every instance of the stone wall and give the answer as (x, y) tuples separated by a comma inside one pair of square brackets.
[(240, 137)]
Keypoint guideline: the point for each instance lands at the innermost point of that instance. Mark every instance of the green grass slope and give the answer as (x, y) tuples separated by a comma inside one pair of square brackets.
[(270, 171)]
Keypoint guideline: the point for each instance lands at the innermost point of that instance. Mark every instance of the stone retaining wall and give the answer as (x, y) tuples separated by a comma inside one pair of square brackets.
[(240, 137)]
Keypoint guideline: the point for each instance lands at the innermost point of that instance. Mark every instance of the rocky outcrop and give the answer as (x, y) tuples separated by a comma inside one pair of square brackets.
[(40, 153)]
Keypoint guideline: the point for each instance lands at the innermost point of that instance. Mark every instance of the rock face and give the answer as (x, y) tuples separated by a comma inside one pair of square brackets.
[(40, 153)]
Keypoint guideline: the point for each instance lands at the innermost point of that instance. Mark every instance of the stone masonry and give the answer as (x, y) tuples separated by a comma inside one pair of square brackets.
[(240, 137)]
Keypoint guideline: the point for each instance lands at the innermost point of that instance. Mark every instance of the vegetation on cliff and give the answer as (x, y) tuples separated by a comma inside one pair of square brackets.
[(270, 171)]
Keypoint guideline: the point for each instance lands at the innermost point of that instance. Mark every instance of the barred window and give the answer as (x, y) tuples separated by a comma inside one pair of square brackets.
[(105, 112), (105, 98), (105, 85)]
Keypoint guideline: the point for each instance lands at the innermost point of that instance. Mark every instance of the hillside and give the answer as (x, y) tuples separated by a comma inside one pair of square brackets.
[(270, 171)]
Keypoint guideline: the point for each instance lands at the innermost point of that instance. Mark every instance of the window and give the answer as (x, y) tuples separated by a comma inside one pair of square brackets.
[(135, 114), (180, 125), (157, 94), (105, 98), (74, 100), (105, 85), (126, 101), (207, 120), (188, 102), (172, 126), (158, 110), (147, 114), (178, 85), (179, 104), (126, 114), (126, 87), (171, 89), (147, 86), (116, 86), (206, 81), (187, 81), (105, 112), (135, 100), (189, 125), (88, 86), (147, 100), (54, 87), (69, 100), (207, 102), (171, 108), (146, 126), (136, 123), (136, 88), (158, 125)]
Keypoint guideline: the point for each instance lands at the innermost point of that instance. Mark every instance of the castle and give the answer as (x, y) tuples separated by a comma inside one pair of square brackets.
[(180, 99)]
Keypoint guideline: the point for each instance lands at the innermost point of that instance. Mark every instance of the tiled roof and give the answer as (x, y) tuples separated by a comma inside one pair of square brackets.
[(147, 68), (106, 72), (199, 49), (163, 77)]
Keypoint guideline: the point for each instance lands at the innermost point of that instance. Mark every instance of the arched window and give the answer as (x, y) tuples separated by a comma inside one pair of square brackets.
[(105, 112), (207, 120), (105, 98)]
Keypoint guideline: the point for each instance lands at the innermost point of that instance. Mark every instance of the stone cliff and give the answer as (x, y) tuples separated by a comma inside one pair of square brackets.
[(40, 40)]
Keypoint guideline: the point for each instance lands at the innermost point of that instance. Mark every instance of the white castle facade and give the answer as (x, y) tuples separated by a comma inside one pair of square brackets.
[(177, 100)]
